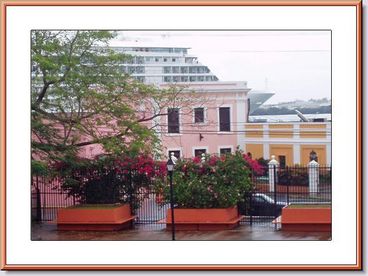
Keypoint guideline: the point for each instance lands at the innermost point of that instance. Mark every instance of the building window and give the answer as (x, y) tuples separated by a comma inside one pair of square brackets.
[(176, 153), (167, 79), (225, 151), (198, 152), (139, 69), (224, 116), (165, 59), (199, 115), (173, 60), (176, 79), (193, 70), (141, 79), (282, 161), (313, 156), (167, 70), (131, 69), (173, 120), (157, 59), (184, 70)]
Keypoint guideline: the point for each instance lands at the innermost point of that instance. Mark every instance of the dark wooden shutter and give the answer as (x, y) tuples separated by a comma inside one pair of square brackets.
[(225, 151), (199, 115), (173, 120), (224, 118), (198, 152)]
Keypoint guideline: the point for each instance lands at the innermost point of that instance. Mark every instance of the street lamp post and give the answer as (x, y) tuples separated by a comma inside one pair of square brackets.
[(170, 169)]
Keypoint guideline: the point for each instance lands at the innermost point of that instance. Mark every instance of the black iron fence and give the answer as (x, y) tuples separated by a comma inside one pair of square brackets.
[(273, 188), (47, 196), (296, 184)]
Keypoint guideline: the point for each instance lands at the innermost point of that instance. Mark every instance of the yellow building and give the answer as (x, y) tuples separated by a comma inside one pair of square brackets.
[(291, 143)]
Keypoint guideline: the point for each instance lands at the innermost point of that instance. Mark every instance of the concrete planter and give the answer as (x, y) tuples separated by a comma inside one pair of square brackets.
[(305, 218), (95, 217), (204, 219)]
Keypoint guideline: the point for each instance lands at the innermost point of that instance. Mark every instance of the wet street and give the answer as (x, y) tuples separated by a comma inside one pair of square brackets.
[(157, 232)]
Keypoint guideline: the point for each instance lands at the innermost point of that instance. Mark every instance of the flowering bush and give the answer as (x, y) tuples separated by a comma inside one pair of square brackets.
[(216, 182), (107, 180)]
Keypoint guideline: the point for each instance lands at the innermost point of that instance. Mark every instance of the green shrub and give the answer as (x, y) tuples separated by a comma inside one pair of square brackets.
[(218, 182), (108, 180)]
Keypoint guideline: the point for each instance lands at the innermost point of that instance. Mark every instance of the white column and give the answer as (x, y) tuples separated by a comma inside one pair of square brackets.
[(296, 153), (266, 146), (328, 153), (266, 151), (241, 111), (313, 175), (272, 172)]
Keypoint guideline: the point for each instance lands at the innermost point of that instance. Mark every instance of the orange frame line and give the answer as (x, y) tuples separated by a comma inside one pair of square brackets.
[(182, 3), (356, 3)]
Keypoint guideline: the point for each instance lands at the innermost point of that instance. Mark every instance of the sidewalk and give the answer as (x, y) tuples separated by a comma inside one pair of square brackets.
[(151, 232)]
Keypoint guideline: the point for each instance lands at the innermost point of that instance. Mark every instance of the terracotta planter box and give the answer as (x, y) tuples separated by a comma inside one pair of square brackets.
[(306, 218), (204, 219), (95, 217)]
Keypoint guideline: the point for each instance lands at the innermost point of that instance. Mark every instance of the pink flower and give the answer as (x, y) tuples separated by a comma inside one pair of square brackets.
[(213, 160), (197, 160)]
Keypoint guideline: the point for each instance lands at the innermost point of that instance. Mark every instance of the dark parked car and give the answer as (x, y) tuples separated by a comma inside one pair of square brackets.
[(261, 205)]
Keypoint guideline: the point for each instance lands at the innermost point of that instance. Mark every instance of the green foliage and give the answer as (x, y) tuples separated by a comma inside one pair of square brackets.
[(219, 182), (39, 168), (81, 97), (107, 179), (294, 177)]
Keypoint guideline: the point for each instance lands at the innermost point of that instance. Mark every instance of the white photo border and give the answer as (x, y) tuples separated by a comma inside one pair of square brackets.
[(342, 250)]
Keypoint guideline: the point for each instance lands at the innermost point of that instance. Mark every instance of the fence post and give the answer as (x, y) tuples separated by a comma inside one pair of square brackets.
[(288, 173), (131, 195), (250, 208), (38, 201), (272, 173), (313, 176), (38, 205)]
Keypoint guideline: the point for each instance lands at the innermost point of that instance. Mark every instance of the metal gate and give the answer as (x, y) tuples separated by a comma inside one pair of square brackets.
[(151, 213)]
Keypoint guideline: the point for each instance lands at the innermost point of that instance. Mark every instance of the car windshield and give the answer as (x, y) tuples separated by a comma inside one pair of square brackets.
[(265, 197)]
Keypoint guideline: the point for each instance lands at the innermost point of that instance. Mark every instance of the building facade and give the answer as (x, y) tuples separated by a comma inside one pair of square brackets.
[(291, 143), (214, 126)]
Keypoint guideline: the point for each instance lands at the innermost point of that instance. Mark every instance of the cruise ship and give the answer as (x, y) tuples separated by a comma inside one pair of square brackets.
[(157, 65)]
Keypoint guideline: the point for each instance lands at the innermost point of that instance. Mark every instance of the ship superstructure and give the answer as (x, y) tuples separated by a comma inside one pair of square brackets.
[(156, 65), (160, 65)]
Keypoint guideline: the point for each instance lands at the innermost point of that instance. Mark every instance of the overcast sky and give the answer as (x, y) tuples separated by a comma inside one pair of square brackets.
[(293, 64)]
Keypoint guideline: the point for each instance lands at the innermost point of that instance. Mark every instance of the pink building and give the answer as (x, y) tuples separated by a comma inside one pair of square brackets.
[(214, 124)]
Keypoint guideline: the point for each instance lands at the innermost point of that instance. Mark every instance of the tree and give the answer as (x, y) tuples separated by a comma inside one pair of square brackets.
[(81, 97)]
